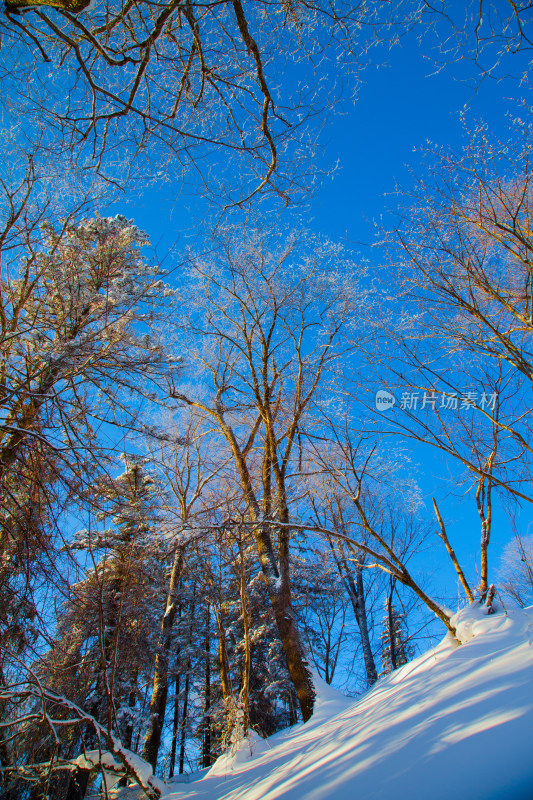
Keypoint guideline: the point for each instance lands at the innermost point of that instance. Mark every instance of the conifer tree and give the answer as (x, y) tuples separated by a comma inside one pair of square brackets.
[(106, 631), (396, 648)]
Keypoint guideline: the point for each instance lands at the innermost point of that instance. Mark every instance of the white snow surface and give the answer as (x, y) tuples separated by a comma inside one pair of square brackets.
[(457, 722)]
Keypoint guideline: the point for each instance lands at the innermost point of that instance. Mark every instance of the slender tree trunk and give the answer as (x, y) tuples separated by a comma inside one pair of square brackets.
[(225, 682), (451, 552), (356, 593), (102, 706), (183, 733), (185, 704), (362, 622), (357, 597), (293, 708), (392, 637), (244, 695), (158, 702), (484, 506), (128, 736), (277, 580), (175, 726), (206, 745)]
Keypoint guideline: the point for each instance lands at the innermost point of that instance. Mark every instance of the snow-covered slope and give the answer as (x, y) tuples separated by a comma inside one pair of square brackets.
[(455, 723)]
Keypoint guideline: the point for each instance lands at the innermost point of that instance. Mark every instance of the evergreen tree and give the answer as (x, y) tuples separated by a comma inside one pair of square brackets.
[(396, 648), (104, 649)]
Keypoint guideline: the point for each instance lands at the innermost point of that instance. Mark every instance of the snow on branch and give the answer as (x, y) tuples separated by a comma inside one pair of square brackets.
[(110, 750)]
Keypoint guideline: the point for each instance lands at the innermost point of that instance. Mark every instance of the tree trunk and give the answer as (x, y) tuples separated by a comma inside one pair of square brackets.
[(183, 734), (158, 702), (277, 580), (357, 598), (391, 631), (206, 744), (484, 506), (101, 707), (175, 727), (356, 593), (362, 622), (294, 651), (451, 552), (244, 694), (225, 682), (184, 712), (128, 735)]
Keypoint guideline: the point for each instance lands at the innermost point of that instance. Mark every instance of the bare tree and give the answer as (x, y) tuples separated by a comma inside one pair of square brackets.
[(70, 308), (323, 604), (459, 330), (516, 569), (465, 250), (488, 34), (167, 83), (332, 508), (188, 471), (265, 328), (373, 512)]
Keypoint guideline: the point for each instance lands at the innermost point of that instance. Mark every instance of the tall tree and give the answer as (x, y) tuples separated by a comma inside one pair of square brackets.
[(106, 630), (396, 649), (71, 315), (464, 250), (188, 468), (265, 329)]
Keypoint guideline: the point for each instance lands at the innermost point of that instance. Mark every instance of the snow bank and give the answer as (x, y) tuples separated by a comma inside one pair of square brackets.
[(113, 768), (453, 724), (239, 753), (475, 620)]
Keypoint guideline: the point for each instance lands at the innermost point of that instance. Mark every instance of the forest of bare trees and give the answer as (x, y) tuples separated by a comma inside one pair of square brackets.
[(202, 507)]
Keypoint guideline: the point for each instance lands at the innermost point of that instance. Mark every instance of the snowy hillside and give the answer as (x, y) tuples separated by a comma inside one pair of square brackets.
[(455, 723)]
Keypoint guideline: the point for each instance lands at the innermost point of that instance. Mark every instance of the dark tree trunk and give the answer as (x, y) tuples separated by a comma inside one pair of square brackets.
[(185, 704), (356, 593), (158, 703), (362, 622), (183, 734), (77, 787), (223, 661), (128, 736), (293, 708), (175, 726), (392, 637), (206, 746)]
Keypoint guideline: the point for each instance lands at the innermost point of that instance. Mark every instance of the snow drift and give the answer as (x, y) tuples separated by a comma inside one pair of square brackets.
[(454, 723)]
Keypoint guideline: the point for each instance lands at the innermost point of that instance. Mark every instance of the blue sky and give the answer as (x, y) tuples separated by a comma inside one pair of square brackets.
[(400, 107)]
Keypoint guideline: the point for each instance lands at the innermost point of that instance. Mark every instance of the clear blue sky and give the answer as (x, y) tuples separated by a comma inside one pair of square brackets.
[(400, 107)]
